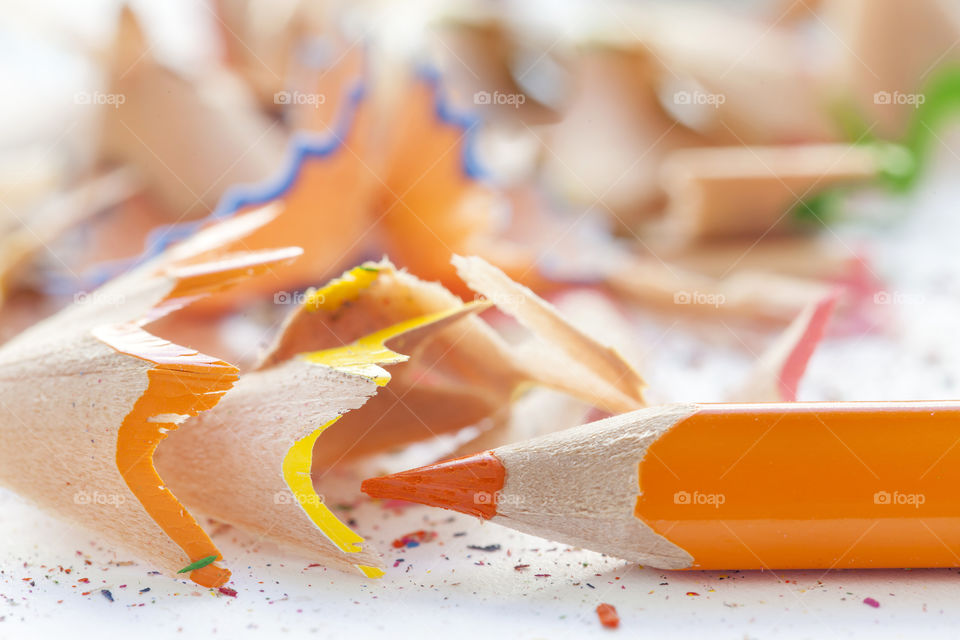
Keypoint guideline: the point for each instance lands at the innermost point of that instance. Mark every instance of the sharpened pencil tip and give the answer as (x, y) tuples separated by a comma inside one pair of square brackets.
[(470, 485)]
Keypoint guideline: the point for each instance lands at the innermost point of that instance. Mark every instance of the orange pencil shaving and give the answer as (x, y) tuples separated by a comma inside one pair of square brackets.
[(89, 394), (725, 486)]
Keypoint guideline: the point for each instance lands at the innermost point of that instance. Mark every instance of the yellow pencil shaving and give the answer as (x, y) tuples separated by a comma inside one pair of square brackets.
[(345, 288), (296, 473), (363, 357), (370, 572)]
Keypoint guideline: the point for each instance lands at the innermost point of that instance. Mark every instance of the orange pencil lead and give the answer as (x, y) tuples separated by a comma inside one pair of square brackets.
[(469, 485)]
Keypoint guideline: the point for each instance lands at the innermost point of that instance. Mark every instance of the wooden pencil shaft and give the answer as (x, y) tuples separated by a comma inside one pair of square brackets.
[(743, 486)]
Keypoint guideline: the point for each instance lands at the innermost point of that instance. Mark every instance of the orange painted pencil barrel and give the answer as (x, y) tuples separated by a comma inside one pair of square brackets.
[(805, 485), (798, 485)]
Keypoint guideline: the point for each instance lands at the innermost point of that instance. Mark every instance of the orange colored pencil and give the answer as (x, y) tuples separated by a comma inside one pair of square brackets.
[(725, 486)]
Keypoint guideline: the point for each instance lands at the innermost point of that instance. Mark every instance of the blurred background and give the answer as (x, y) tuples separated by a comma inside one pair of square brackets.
[(702, 172)]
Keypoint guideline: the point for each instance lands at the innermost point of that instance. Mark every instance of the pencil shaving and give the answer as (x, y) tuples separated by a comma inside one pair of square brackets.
[(745, 294), (544, 410), (778, 371), (27, 233), (750, 192), (83, 447), (576, 363), (155, 119), (456, 376), (249, 463)]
